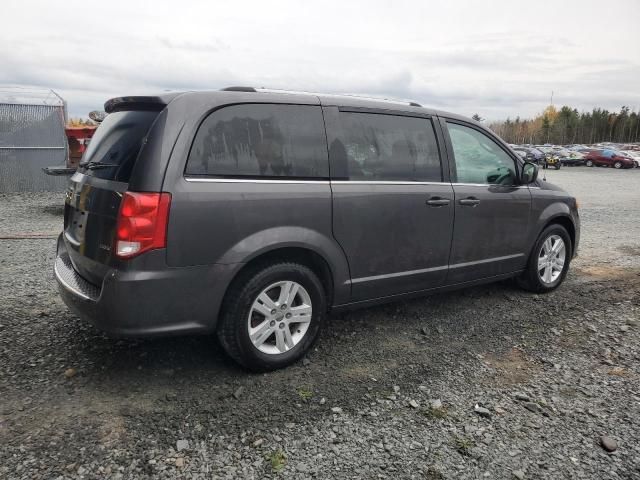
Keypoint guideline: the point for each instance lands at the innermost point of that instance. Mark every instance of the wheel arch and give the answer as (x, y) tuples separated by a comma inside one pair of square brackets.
[(564, 221), (526, 280), (290, 253), (550, 210)]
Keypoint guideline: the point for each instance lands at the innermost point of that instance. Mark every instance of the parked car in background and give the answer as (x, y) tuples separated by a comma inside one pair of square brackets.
[(631, 146), (252, 214), (532, 154), (568, 157), (607, 145), (528, 154), (577, 148), (608, 158), (633, 155), (521, 153)]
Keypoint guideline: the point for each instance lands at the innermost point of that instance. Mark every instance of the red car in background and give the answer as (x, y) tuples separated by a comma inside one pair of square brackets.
[(608, 158)]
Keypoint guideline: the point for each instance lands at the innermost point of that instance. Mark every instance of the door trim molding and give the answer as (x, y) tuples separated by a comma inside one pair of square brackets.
[(487, 260), (398, 274), (434, 269)]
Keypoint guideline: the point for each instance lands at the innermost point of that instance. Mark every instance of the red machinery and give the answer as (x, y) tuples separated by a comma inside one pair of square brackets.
[(78, 138)]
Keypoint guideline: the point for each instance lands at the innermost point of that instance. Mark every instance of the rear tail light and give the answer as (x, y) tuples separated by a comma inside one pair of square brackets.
[(142, 223)]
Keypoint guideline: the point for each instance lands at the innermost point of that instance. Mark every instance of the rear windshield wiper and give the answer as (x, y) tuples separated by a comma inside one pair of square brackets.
[(97, 165)]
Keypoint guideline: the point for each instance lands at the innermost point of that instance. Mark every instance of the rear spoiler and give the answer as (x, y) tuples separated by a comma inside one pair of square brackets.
[(149, 103)]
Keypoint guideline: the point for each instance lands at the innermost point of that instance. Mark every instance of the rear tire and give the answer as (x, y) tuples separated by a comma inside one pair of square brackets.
[(542, 258), (250, 304), (617, 165)]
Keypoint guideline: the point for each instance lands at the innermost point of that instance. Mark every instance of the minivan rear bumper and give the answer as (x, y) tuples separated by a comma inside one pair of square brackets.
[(146, 302)]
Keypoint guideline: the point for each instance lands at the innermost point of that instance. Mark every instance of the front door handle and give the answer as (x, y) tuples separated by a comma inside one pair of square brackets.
[(469, 202), (438, 202)]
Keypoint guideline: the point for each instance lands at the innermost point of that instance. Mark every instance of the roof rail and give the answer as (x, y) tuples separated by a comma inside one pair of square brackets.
[(238, 89), (275, 90)]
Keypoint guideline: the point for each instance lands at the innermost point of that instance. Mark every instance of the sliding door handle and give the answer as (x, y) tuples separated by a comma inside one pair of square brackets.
[(469, 202), (438, 202)]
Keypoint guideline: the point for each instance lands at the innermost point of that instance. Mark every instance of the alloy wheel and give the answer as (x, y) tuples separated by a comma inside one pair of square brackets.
[(279, 317), (551, 259)]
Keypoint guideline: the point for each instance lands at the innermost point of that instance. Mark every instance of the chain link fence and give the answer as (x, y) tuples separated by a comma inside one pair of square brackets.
[(32, 137)]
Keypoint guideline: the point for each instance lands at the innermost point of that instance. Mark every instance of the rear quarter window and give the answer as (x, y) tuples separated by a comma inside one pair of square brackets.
[(261, 140)]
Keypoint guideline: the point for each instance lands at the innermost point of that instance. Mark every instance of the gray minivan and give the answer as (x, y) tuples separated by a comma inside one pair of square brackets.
[(254, 213)]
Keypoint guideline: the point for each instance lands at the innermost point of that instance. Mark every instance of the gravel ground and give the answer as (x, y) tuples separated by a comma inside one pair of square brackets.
[(488, 382)]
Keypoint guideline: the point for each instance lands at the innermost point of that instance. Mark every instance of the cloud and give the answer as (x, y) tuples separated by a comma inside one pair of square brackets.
[(493, 58)]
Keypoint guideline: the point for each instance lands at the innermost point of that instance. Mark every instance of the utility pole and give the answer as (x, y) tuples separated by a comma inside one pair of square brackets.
[(551, 98)]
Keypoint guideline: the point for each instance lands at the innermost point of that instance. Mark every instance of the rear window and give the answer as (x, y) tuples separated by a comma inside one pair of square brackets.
[(115, 146), (261, 140)]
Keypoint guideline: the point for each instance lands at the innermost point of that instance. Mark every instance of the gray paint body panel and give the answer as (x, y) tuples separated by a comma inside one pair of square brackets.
[(489, 238), (393, 240)]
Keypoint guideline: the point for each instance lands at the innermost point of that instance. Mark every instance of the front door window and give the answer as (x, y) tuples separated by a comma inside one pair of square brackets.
[(478, 159)]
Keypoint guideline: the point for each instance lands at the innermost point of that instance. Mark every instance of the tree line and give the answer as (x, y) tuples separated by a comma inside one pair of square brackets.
[(568, 126)]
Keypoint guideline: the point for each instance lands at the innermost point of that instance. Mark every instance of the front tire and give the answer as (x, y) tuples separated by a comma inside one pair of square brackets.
[(617, 165), (548, 262), (272, 316), (589, 163)]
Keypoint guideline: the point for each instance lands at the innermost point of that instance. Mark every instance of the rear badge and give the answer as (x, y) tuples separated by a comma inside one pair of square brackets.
[(102, 246)]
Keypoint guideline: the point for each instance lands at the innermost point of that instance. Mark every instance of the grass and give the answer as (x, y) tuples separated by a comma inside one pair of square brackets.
[(305, 393), (435, 413), (278, 460), (434, 474), (463, 445)]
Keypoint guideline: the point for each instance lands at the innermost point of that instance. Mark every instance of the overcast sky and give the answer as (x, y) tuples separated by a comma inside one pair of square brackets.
[(496, 58)]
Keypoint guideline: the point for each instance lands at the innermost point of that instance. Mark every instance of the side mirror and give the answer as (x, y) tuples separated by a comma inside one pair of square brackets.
[(529, 173)]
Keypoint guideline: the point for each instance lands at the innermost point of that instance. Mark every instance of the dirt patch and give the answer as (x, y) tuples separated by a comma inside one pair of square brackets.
[(368, 370), (112, 431), (393, 344), (511, 367), (633, 250), (606, 272)]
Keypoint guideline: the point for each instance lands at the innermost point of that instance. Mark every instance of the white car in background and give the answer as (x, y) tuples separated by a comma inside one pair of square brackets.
[(577, 148), (632, 154)]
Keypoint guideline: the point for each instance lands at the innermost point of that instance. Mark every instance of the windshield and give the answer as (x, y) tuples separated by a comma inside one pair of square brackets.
[(115, 146)]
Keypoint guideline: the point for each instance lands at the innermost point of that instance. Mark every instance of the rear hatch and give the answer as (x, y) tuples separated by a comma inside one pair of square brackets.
[(95, 191)]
